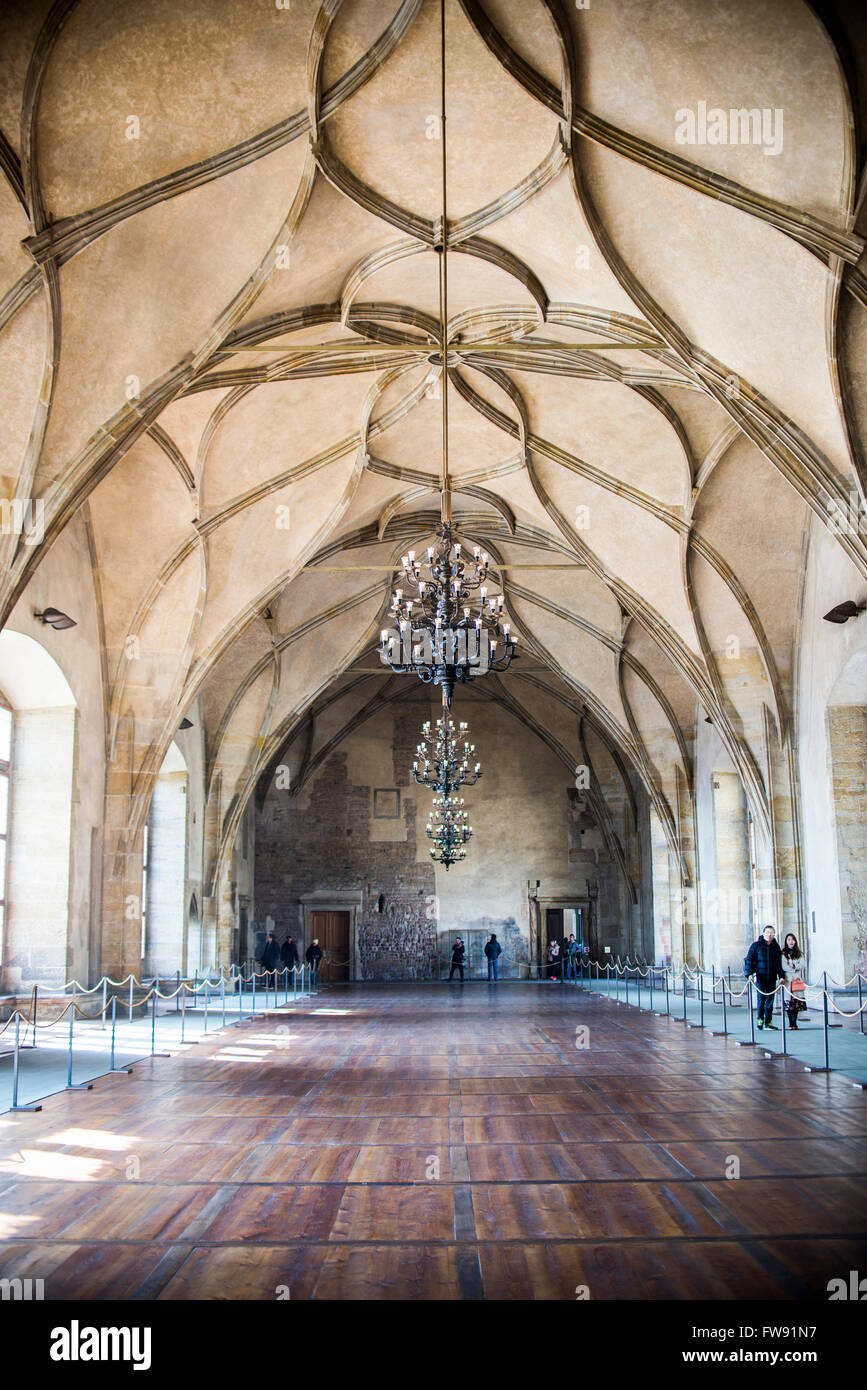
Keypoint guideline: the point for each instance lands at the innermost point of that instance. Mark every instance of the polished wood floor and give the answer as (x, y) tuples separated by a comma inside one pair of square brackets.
[(442, 1142)]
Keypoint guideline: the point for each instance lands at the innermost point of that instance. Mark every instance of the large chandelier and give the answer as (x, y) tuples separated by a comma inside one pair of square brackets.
[(445, 754), (448, 828), (446, 628)]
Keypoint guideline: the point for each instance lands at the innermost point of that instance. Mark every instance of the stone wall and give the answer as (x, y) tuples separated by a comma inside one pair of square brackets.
[(328, 837)]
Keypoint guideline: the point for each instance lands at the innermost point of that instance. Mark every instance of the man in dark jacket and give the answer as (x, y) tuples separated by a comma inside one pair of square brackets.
[(493, 950), (458, 953), (289, 953), (313, 956), (270, 958), (764, 960)]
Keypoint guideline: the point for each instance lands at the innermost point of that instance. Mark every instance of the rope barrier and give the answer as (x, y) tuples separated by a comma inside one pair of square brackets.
[(720, 981)]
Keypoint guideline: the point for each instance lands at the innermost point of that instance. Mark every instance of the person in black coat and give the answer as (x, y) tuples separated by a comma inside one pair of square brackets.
[(289, 953), (458, 954), (270, 958), (313, 956), (493, 950), (764, 960)]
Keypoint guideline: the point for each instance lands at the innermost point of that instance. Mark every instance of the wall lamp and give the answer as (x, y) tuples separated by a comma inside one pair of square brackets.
[(54, 618), (844, 611)]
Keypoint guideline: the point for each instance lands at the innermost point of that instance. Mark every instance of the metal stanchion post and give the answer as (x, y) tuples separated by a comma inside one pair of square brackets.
[(154, 1021), (130, 997), (667, 1002), (81, 1085), (626, 982), (253, 979), (104, 1000), (15, 1066), (650, 978), (35, 1001), (752, 1013), (196, 990), (294, 983), (825, 1007), (701, 999), (638, 984), (683, 982), (178, 995), (860, 1004), (207, 1002), (183, 1011), (223, 1000), (783, 1012)]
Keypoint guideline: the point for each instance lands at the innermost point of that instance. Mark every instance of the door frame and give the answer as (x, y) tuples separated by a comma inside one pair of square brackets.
[(334, 900), (561, 900)]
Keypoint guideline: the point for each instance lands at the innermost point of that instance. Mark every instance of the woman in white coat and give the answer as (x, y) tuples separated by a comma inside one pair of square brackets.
[(793, 970)]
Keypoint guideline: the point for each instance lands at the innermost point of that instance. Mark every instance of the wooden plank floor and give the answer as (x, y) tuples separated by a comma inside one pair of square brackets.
[(442, 1142)]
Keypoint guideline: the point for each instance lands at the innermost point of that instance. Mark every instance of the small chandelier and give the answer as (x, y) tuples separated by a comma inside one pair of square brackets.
[(448, 828), (445, 754)]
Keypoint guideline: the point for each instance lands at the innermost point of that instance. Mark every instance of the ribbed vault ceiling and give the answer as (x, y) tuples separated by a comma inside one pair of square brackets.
[(219, 363)]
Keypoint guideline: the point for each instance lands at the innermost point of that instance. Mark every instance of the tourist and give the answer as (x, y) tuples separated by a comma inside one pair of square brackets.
[(458, 953), (793, 970), (764, 963), (270, 957), (313, 956), (554, 962), (493, 950), (289, 953), (572, 958)]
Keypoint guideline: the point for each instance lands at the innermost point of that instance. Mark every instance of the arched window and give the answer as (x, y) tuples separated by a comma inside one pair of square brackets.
[(164, 897), (5, 773), (38, 743)]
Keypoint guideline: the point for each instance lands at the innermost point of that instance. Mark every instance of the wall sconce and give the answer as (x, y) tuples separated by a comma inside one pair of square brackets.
[(844, 611), (54, 618)]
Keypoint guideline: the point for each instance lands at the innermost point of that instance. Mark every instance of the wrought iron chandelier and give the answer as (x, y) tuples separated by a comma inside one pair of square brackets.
[(445, 754), (449, 829), (447, 628)]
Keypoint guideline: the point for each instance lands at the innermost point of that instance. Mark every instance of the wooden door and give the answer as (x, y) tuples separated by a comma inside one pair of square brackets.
[(332, 929), (553, 925)]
